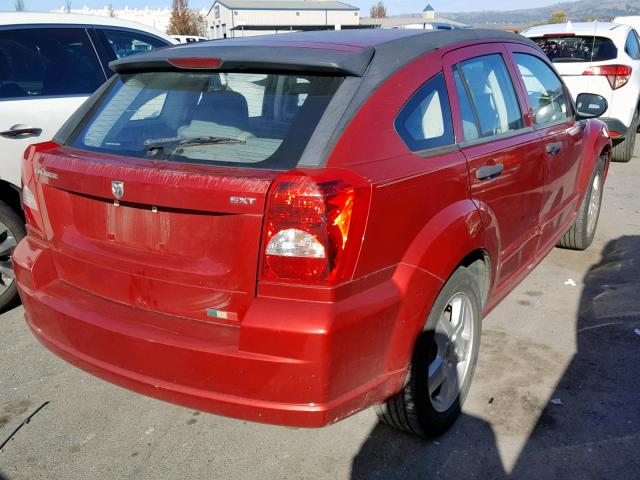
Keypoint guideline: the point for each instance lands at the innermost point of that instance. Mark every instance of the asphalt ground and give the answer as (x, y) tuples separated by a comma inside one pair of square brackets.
[(556, 395)]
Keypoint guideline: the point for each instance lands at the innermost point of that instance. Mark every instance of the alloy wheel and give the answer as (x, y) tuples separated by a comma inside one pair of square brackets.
[(451, 352)]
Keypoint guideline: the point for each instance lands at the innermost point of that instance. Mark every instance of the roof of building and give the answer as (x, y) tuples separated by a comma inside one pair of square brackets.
[(286, 5), (428, 8)]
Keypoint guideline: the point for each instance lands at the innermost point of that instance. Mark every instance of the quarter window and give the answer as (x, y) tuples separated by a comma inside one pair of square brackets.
[(492, 95), (425, 121), (544, 89), (47, 62), (631, 45)]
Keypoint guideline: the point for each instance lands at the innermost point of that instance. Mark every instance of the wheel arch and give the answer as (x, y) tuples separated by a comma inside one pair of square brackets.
[(10, 194), (459, 231)]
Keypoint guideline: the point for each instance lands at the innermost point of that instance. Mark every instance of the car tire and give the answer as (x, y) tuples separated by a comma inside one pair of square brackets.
[(11, 232), (581, 234), (623, 151), (425, 406)]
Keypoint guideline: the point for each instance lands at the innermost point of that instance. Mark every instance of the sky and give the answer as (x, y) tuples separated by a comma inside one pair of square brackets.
[(394, 7)]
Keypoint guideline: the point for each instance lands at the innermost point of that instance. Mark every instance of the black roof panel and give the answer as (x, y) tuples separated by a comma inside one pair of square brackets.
[(347, 52)]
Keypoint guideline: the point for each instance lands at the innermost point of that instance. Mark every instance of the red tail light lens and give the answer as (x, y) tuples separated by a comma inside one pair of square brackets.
[(314, 227), (30, 200), (618, 75)]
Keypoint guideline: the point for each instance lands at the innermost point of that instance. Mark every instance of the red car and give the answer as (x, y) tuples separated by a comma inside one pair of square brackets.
[(291, 229)]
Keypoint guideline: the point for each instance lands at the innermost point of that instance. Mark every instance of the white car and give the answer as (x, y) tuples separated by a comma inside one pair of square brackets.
[(49, 64), (601, 58), (189, 38)]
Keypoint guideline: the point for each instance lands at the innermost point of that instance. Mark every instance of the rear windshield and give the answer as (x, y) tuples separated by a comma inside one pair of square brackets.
[(239, 119), (577, 48)]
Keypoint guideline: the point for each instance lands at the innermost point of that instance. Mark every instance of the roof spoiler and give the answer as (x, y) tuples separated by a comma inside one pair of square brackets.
[(235, 58)]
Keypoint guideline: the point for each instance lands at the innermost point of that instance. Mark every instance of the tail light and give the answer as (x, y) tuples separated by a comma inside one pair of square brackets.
[(30, 202), (314, 227), (618, 75)]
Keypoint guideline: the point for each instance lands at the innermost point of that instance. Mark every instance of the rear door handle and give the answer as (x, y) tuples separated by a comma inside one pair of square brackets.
[(18, 131), (553, 149), (489, 172)]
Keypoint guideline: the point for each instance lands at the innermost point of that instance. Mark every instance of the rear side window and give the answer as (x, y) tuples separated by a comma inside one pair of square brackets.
[(242, 119), (48, 62), (577, 48), (631, 45), (493, 97), (425, 121), (125, 43), (544, 89)]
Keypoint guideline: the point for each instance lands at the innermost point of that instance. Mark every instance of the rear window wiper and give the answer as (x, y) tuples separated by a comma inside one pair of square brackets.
[(156, 146)]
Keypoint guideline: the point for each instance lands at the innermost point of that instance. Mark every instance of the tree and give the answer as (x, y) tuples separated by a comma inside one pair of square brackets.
[(112, 12), (19, 5), (559, 16), (67, 6), (378, 11), (184, 21)]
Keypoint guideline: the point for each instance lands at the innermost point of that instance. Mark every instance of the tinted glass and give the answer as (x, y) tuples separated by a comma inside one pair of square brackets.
[(129, 43), (425, 121), (47, 61), (469, 124), (631, 46), (492, 94), (258, 120), (577, 48), (544, 89)]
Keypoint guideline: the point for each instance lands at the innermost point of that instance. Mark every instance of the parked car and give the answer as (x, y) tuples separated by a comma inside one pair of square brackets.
[(49, 64), (602, 58), (287, 234), (188, 38)]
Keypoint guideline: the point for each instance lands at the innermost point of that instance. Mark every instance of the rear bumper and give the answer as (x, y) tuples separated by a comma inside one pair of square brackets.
[(288, 363), (616, 125)]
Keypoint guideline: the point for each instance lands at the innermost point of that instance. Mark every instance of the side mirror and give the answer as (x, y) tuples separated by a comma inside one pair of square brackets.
[(590, 105)]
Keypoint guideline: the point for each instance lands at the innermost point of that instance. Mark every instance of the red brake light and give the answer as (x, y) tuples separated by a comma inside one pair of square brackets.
[(196, 63), (314, 227), (618, 75)]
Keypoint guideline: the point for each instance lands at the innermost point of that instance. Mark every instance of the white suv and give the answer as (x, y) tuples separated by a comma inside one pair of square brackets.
[(602, 58), (49, 64)]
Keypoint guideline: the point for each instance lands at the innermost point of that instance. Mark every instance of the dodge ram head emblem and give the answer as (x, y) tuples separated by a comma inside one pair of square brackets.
[(117, 188)]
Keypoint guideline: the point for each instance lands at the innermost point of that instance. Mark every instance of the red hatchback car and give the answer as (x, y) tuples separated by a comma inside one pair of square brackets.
[(291, 229)]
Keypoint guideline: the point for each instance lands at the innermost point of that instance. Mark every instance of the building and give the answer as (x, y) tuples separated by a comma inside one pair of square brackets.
[(239, 18), (428, 20)]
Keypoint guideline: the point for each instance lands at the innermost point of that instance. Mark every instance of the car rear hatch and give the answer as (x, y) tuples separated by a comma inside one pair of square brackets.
[(181, 241), (574, 54), (157, 198)]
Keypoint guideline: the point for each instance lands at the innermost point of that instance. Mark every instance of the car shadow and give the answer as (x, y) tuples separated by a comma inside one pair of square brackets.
[(593, 434)]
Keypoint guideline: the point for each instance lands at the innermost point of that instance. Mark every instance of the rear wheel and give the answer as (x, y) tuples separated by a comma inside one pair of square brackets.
[(11, 232), (623, 151), (583, 230), (443, 363)]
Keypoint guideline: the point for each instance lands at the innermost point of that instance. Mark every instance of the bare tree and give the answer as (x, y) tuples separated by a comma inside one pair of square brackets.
[(112, 12), (378, 11), (19, 5), (183, 21), (67, 6)]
